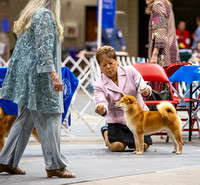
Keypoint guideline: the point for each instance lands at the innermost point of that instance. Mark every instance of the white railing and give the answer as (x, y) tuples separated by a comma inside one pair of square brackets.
[(3, 63), (87, 71)]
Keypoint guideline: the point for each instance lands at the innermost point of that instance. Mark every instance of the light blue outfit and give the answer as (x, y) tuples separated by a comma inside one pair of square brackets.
[(196, 37), (28, 83)]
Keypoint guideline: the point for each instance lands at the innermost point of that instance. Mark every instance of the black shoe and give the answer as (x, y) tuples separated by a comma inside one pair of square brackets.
[(103, 129), (131, 145)]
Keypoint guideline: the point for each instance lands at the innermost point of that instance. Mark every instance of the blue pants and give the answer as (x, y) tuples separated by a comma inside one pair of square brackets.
[(48, 129)]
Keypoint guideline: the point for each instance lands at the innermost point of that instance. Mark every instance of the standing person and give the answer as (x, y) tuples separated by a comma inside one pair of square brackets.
[(196, 33), (183, 35), (33, 81), (163, 47), (195, 58), (108, 89), (113, 37)]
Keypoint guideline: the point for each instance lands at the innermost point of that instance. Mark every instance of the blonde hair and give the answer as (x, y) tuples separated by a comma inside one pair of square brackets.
[(149, 7), (105, 52), (24, 21)]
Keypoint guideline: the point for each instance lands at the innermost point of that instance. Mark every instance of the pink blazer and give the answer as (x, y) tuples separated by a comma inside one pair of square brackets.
[(106, 92)]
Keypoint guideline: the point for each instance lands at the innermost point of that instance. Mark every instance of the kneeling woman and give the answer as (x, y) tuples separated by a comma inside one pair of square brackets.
[(108, 89)]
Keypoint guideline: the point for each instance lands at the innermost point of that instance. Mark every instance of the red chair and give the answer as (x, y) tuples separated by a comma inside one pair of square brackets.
[(155, 73), (171, 69)]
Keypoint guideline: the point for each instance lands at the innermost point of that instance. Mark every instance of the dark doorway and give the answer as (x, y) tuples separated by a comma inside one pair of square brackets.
[(91, 24), (143, 30)]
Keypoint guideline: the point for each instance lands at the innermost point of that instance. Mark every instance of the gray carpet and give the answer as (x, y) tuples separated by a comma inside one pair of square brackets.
[(93, 162)]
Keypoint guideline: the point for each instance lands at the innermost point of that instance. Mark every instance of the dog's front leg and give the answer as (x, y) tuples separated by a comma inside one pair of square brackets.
[(136, 143), (141, 143)]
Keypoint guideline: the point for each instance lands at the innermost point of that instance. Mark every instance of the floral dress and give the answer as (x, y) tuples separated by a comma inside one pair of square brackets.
[(162, 34)]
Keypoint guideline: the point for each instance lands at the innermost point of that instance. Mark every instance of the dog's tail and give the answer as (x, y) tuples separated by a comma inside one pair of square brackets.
[(168, 112), (165, 109)]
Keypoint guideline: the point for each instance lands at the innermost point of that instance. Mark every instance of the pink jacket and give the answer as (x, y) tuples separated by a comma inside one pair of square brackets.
[(106, 92)]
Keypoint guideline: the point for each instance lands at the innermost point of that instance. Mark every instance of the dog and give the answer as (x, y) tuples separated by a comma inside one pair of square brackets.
[(148, 122), (6, 122)]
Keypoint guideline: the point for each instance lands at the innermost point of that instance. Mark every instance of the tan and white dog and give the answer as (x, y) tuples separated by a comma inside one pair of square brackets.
[(6, 122), (148, 122)]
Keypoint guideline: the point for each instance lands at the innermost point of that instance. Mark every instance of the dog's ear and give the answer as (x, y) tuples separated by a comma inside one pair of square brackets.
[(1, 113), (131, 99)]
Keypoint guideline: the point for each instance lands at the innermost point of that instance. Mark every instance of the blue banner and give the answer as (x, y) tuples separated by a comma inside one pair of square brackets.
[(108, 13), (8, 106), (70, 83), (5, 26)]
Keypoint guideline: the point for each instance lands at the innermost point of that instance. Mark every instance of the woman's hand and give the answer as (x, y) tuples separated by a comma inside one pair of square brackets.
[(154, 59), (196, 59), (57, 83), (100, 110), (145, 91)]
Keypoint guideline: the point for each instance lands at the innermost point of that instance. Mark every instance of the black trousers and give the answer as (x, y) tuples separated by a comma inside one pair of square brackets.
[(121, 133)]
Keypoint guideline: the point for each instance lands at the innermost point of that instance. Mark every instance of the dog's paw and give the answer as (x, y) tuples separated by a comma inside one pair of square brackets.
[(134, 152), (178, 153), (174, 151), (139, 153)]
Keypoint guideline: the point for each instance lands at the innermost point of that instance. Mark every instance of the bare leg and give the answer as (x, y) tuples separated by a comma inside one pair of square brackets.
[(115, 146), (146, 146)]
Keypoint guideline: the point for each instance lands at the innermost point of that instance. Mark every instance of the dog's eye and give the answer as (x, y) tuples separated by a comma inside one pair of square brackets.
[(122, 101)]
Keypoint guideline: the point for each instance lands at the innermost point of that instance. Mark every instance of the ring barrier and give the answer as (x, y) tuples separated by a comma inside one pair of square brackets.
[(87, 71)]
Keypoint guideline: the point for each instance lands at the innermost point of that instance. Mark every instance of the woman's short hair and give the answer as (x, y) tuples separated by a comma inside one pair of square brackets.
[(105, 52)]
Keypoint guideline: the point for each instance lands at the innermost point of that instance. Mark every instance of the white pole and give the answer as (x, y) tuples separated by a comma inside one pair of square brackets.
[(99, 32)]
